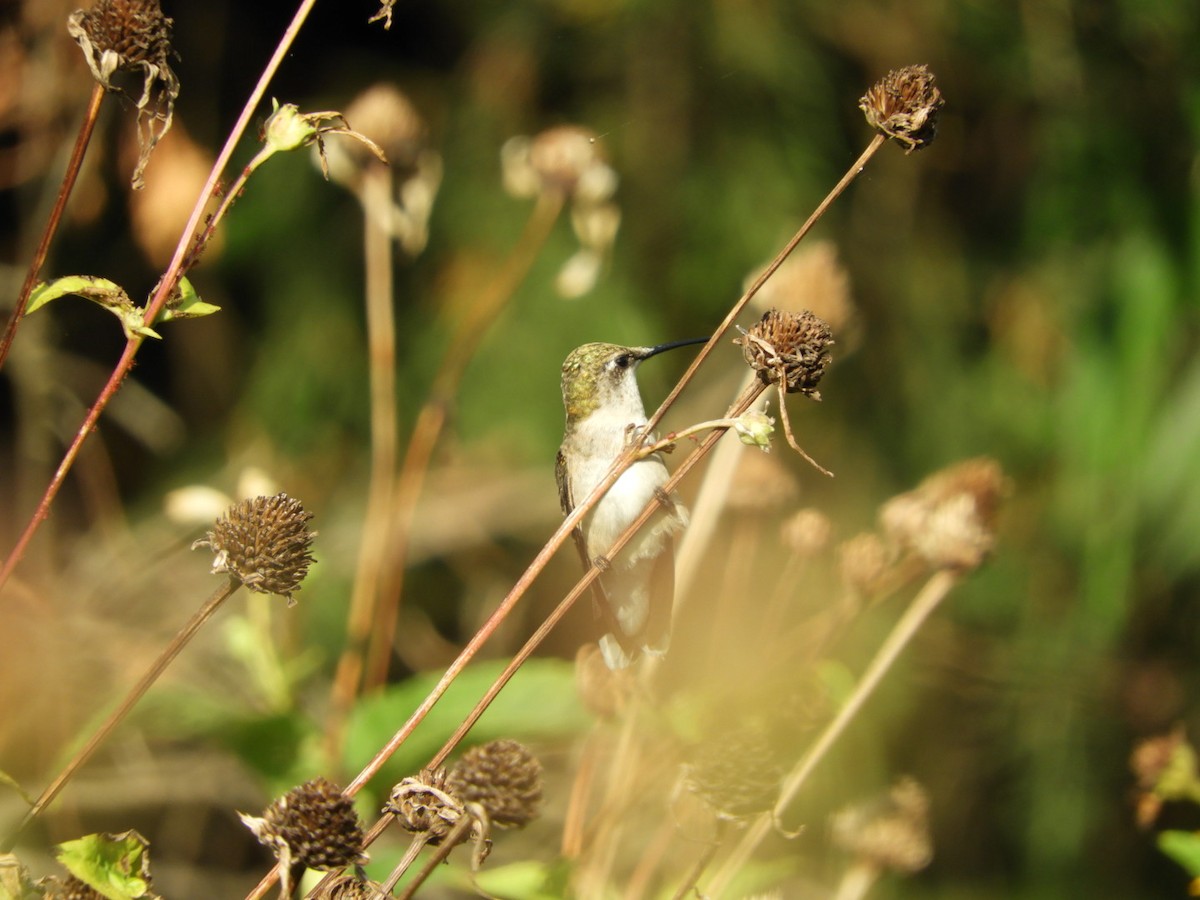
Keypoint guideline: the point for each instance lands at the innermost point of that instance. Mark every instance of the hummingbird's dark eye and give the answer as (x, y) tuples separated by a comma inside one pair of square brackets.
[(623, 360)]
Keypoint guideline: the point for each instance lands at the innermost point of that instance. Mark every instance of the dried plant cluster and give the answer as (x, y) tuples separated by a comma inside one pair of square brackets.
[(721, 733)]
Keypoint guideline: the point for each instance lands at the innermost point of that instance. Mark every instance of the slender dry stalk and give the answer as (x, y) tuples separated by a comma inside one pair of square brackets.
[(414, 850), (74, 165), (922, 606), (165, 658), (166, 287), (467, 336), (375, 542), (457, 833)]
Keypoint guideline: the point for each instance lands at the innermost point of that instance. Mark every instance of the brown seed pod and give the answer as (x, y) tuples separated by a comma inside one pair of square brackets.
[(789, 349), (313, 825), (264, 543), (504, 778), (423, 804), (904, 105)]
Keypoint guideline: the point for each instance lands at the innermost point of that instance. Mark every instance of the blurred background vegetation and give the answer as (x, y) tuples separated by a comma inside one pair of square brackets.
[(1025, 289)]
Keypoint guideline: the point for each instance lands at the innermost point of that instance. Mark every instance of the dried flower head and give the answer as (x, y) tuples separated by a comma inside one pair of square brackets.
[(1166, 769), (349, 886), (864, 561), (132, 36), (264, 543), (69, 888), (806, 532), (313, 826), (949, 519), (504, 778), (788, 349), (904, 105), (736, 772), (761, 484), (423, 804), (892, 833)]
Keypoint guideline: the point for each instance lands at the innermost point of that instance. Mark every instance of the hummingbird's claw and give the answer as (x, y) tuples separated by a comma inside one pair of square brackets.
[(602, 563), (664, 500)]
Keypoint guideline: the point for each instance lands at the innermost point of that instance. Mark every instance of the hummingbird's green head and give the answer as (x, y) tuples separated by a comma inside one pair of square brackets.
[(600, 375)]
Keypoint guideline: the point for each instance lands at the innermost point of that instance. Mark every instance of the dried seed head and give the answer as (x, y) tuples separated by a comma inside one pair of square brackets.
[(864, 562), (504, 778), (806, 533), (423, 804), (264, 543), (791, 349), (313, 825), (893, 833), (568, 159), (761, 484), (349, 886), (132, 36), (69, 888), (1166, 769), (949, 519), (737, 772), (904, 105), (385, 114)]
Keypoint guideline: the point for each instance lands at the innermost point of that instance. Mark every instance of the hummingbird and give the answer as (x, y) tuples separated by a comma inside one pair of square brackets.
[(635, 593)]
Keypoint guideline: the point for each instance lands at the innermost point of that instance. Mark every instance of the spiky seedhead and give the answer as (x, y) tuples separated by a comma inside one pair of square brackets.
[(264, 543), (504, 778), (313, 825), (788, 349), (423, 804), (904, 105)]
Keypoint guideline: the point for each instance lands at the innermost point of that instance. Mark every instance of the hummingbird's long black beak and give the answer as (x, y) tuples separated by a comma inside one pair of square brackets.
[(647, 352)]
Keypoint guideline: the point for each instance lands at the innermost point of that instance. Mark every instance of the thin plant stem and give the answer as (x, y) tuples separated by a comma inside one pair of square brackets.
[(165, 658), (455, 835), (857, 881), (166, 287), (467, 336), (922, 606), (74, 165), (375, 539), (693, 877), (414, 850)]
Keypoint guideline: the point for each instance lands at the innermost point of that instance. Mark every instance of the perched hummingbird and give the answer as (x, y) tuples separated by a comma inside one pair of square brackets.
[(604, 414)]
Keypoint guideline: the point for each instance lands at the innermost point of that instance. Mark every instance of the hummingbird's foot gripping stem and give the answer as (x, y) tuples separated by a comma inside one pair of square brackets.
[(602, 563), (664, 500)]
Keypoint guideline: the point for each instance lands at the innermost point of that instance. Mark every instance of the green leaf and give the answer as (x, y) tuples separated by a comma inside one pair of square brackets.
[(540, 702), (116, 865), (106, 293), (1183, 847), (186, 304)]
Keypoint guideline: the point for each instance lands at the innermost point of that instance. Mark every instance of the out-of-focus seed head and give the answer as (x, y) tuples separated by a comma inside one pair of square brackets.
[(504, 778), (812, 278), (904, 105), (313, 825), (788, 349), (132, 36), (949, 519), (1166, 770), (263, 542), (864, 561), (349, 886), (806, 532), (736, 772), (761, 485), (892, 833), (423, 804)]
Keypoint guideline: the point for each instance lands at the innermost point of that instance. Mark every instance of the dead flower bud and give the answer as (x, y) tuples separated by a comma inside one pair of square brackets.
[(754, 428), (890, 834), (904, 105), (788, 349), (948, 520), (313, 826), (289, 129), (264, 543), (423, 804), (864, 561), (349, 886), (504, 778), (69, 888), (132, 36)]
